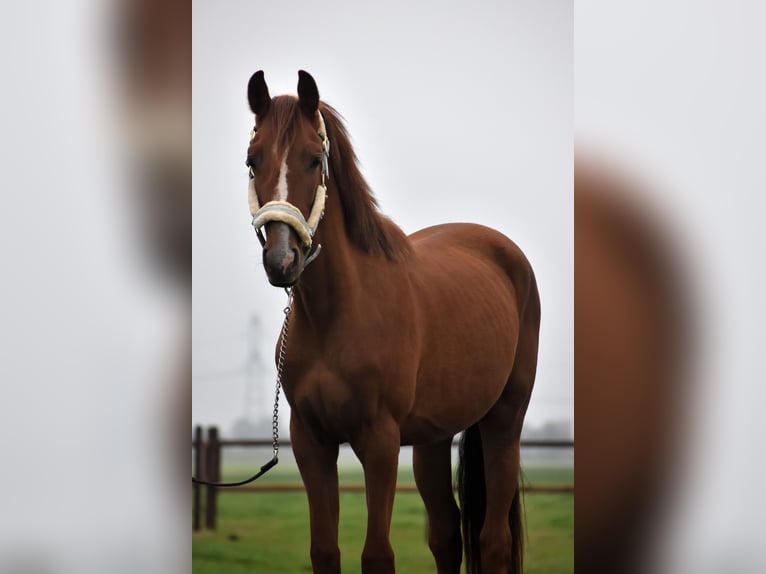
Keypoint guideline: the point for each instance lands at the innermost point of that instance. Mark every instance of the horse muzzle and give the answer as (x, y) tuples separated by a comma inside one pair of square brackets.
[(287, 247), (282, 260)]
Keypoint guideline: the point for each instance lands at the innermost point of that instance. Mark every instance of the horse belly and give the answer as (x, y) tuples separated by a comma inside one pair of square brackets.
[(465, 366), (445, 405)]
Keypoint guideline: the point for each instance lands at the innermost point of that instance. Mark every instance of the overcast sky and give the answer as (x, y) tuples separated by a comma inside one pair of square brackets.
[(457, 112)]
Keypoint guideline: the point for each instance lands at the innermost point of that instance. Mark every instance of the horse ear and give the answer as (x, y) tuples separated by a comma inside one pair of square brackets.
[(308, 94), (258, 94)]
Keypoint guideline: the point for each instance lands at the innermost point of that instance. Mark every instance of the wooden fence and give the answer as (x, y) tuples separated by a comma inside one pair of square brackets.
[(207, 461)]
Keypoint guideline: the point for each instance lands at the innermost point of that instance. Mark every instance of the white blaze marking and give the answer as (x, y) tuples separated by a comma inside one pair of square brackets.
[(282, 182)]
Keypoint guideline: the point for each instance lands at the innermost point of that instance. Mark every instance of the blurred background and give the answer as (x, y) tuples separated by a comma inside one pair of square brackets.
[(95, 307), (669, 278)]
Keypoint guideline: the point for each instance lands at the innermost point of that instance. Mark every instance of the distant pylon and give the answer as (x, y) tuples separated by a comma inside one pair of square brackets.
[(253, 366)]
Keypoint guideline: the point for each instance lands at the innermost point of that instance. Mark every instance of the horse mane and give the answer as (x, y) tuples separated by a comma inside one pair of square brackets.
[(366, 227)]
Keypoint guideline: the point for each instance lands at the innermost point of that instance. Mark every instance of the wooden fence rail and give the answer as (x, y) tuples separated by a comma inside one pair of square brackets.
[(207, 466)]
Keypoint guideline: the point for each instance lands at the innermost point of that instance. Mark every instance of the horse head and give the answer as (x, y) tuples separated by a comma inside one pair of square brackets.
[(288, 163)]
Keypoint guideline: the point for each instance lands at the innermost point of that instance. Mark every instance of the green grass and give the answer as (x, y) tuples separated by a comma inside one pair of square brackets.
[(352, 473), (268, 532)]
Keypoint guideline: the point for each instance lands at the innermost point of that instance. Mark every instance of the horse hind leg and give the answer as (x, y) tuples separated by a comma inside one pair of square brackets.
[(501, 537), (433, 476), (488, 485), (500, 540)]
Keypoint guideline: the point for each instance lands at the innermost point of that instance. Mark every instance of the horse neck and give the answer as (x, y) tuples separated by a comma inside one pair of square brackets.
[(330, 285)]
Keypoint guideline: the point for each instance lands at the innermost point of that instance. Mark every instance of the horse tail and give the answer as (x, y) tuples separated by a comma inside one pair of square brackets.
[(472, 493), (515, 523)]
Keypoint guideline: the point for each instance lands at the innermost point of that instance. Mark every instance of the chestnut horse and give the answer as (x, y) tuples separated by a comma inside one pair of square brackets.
[(393, 340)]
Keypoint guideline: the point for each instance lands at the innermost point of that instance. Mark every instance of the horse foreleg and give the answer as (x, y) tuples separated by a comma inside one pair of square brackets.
[(378, 450), (318, 465), (433, 476)]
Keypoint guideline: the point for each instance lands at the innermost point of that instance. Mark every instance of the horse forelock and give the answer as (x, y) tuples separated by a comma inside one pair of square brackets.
[(284, 112)]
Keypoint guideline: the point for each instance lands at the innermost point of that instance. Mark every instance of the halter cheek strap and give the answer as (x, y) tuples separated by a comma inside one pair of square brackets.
[(286, 212)]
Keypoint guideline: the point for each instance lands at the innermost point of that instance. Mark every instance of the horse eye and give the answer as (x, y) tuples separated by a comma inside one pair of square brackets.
[(316, 161)]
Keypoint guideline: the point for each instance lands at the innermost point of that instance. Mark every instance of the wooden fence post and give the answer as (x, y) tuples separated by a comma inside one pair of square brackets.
[(212, 462), (197, 454)]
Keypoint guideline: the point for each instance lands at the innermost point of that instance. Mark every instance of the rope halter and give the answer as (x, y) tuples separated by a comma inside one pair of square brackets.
[(286, 212)]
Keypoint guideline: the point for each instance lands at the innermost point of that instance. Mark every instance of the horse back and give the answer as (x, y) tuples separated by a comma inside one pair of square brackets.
[(458, 249)]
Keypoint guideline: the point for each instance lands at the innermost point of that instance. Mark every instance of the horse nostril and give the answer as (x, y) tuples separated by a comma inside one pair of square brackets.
[(290, 259), (282, 259)]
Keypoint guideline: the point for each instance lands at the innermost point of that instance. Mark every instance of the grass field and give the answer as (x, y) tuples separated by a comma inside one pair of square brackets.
[(267, 533)]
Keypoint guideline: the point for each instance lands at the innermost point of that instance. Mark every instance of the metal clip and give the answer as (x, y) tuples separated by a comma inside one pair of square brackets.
[(325, 156), (313, 255), (325, 166)]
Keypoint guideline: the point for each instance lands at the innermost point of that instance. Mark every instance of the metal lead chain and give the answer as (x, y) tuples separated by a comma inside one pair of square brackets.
[(280, 367), (275, 418)]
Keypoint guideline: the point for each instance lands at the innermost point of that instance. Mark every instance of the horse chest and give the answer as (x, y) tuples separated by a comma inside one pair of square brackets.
[(328, 402)]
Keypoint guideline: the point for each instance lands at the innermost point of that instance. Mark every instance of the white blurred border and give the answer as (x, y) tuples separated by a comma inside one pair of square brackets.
[(89, 335), (674, 92)]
